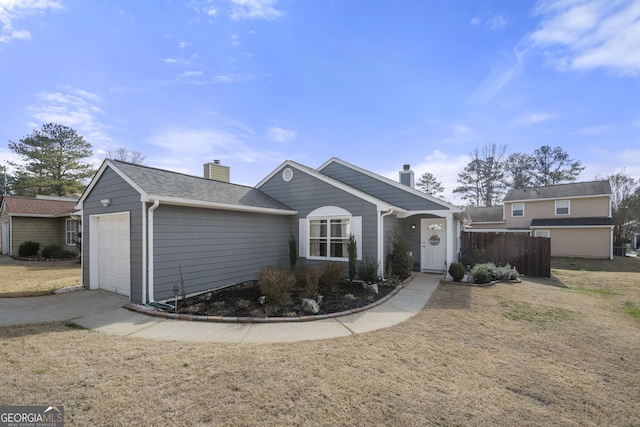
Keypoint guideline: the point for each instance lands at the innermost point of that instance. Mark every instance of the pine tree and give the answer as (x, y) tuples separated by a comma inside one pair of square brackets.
[(52, 162), (430, 185)]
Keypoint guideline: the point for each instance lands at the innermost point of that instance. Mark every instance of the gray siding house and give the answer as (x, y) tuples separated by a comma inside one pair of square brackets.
[(146, 230)]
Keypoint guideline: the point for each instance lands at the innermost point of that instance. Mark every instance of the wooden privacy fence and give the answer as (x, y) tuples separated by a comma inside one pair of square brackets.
[(530, 255)]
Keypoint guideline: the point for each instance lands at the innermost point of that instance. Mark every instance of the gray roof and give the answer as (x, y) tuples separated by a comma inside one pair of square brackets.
[(571, 222), (163, 183), (486, 214), (577, 189)]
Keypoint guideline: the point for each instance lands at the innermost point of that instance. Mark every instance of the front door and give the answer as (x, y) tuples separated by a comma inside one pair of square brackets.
[(433, 244)]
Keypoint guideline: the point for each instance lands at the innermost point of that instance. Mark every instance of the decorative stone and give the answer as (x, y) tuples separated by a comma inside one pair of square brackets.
[(373, 288), (310, 306)]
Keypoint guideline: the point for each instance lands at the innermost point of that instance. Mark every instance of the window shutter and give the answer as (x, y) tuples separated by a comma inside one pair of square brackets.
[(356, 230), (303, 238)]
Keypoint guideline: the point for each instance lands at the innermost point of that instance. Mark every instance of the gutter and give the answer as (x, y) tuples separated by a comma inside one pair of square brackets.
[(153, 207)]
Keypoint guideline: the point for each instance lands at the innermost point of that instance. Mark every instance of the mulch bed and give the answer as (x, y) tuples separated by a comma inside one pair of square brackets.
[(244, 301)]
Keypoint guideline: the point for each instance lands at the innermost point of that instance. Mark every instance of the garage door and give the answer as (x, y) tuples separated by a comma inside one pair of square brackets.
[(113, 253)]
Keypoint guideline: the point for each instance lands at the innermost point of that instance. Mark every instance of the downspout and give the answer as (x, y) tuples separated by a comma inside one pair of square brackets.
[(381, 242), (153, 207), (144, 252)]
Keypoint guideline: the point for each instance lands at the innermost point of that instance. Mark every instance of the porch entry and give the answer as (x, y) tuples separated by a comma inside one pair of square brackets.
[(433, 244)]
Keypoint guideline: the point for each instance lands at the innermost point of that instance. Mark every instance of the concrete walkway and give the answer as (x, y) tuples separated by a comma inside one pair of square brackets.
[(102, 311)]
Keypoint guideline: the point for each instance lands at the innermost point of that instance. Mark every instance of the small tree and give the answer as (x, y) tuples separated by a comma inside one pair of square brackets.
[(352, 249), (625, 203), (126, 155), (553, 166)]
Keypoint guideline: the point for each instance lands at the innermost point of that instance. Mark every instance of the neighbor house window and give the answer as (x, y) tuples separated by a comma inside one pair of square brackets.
[(517, 209), (562, 207), (328, 238), (71, 232), (542, 233)]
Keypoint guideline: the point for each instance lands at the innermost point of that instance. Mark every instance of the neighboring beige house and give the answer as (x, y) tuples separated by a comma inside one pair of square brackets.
[(576, 217), (46, 220)]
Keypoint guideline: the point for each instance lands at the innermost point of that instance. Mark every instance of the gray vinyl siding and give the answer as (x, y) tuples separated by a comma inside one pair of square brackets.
[(124, 198), (380, 189), (305, 193), (215, 248)]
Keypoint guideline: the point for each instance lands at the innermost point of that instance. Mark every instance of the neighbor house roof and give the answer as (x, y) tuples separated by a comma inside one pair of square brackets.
[(486, 214), (181, 189), (27, 206), (576, 189), (572, 222)]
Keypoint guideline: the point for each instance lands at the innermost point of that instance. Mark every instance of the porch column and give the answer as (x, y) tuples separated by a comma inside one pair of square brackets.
[(450, 246)]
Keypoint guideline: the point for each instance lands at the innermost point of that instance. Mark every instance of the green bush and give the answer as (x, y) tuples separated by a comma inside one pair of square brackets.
[(331, 274), (307, 280), (28, 249), (456, 270), (368, 271), (482, 273), (276, 284), (55, 251), (400, 259)]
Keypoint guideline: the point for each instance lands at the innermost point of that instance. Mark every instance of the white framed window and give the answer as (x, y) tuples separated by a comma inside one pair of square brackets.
[(542, 233), (71, 232), (562, 207), (517, 209), (324, 234)]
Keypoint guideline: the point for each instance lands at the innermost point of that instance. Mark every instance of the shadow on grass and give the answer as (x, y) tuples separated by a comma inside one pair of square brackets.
[(450, 297)]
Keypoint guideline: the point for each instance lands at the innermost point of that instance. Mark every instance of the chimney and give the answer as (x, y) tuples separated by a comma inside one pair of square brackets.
[(406, 176), (214, 170)]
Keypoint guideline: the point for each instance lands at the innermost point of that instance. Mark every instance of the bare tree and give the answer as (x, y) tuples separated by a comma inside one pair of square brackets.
[(126, 155), (625, 203), (482, 181)]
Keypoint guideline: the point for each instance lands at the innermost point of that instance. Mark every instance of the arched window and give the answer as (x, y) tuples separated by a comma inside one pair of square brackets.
[(324, 234)]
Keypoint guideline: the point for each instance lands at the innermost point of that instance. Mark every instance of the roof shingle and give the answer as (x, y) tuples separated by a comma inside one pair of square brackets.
[(576, 189), (38, 207)]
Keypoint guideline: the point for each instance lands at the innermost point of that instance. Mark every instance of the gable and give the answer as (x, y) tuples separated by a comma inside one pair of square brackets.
[(383, 188)]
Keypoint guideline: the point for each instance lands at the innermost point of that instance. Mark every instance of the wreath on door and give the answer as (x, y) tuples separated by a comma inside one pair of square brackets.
[(434, 240)]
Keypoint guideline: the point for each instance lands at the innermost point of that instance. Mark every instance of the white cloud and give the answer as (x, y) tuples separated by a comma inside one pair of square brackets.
[(587, 34), (462, 128), (280, 135), (183, 44), (496, 22), (475, 21), (75, 108), (212, 11), (191, 73), (255, 9), (593, 130), (533, 118), (14, 10), (500, 75)]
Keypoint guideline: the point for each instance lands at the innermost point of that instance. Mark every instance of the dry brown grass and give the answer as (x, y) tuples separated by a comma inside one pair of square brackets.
[(21, 278), (548, 352)]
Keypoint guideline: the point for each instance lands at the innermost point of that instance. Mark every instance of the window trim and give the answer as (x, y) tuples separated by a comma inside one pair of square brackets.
[(73, 233), (328, 239), (512, 210), (547, 232), (568, 207)]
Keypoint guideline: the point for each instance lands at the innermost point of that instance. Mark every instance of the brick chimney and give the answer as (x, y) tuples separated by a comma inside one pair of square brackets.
[(406, 176), (214, 170)]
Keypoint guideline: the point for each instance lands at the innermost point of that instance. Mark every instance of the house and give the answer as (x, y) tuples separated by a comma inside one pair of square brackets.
[(576, 217), (148, 231), (47, 220)]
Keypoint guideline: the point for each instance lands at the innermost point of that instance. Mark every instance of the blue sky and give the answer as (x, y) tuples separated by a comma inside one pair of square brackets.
[(376, 83)]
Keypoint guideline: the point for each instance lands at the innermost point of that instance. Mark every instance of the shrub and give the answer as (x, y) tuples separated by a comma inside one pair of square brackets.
[(307, 280), (482, 273), (276, 284), (55, 251), (456, 270), (28, 248), (331, 274), (467, 259), (368, 271), (400, 259), (352, 249), (293, 252)]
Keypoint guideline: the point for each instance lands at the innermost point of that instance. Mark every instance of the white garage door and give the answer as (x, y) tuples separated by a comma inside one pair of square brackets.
[(113, 253)]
